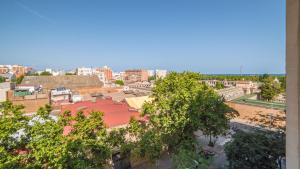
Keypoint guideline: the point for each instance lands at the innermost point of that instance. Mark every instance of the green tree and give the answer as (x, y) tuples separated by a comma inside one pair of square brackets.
[(174, 114), (119, 82), (45, 73), (219, 85), (19, 79), (254, 150), (150, 78), (2, 79), (212, 114), (41, 137), (70, 74), (269, 89), (12, 122)]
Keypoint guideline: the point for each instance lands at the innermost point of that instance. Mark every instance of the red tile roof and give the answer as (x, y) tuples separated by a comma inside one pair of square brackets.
[(114, 113)]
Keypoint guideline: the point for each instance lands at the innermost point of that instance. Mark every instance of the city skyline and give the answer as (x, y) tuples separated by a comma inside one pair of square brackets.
[(207, 37)]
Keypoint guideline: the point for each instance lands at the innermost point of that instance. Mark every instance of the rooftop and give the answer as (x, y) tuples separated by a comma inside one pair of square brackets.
[(114, 113)]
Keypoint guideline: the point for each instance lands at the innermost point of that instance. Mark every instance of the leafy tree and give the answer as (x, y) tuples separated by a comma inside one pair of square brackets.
[(219, 85), (174, 114), (256, 150), (269, 89), (45, 73), (12, 122), (262, 148), (212, 114), (19, 79), (150, 78), (2, 79), (70, 73), (43, 144), (119, 82)]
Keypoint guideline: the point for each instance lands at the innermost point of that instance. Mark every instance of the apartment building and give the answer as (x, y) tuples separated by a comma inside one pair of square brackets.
[(136, 75), (160, 73), (84, 71)]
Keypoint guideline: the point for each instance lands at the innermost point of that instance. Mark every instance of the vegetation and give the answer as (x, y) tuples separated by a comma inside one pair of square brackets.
[(239, 77), (150, 78), (2, 79), (261, 148), (180, 106), (270, 89), (219, 86), (70, 73), (45, 73), (119, 82), (257, 150), (19, 79), (39, 142)]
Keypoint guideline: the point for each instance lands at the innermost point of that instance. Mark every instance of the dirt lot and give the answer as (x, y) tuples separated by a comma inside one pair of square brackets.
[(248, 112)]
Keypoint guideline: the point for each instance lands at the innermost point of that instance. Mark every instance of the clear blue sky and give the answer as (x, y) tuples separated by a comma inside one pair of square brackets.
[(208, 36)]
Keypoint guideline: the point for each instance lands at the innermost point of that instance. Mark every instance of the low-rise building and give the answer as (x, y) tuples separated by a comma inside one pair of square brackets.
[(160, 74), (84, 71), (60, 95), (136, 75), (4, 88)]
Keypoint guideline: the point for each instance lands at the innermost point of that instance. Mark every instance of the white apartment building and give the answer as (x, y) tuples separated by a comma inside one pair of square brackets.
[(151, 73), (160, 73), (84, 71)]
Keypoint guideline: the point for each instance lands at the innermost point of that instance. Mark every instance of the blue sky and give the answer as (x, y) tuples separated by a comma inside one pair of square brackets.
[(208, 36)]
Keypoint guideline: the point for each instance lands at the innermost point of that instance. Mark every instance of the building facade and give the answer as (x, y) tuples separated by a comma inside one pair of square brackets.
[(136, 75)]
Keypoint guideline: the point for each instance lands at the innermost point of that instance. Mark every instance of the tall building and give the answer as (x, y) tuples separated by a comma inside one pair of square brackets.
[(19, 70), (136, 75), (106, 71), (3, 69)]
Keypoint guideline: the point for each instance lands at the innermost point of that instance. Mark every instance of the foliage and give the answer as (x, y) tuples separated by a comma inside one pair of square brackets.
[(239, 77), (19, 79), (45, 73), (257, 150), (150, 78), (119, 82), (68, 73), (269, 89), (261, 148), (43, 144), (2, 79), (219, 85), (181, 105), (190, 159)]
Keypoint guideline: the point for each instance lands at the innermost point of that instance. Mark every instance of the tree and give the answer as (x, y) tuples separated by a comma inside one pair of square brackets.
[(212, 114), (39, 142), (269, 89), (219, 85), (19, 79), (68, 73), (150, 78), (2, 79), (12, 125), (119, 82), (254, 150), (174, 114), (261, 148), (45, 73)]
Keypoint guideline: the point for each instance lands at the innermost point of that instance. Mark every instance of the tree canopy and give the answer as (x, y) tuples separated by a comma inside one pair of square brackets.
[(40, 142), (180, 106), (45, 73), (270, 89), (119, 82)]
